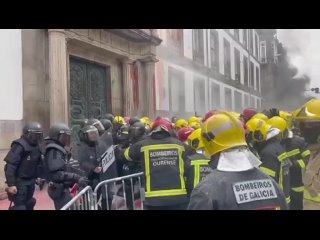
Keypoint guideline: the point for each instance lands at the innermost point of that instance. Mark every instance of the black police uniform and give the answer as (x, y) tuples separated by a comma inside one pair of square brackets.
[(298, 153), (90, 157), (23, 163), (246, 190), (60, 174), (161, 158)]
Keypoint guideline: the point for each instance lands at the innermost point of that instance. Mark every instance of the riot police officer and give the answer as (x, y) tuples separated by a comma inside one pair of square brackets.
[(23, 163), (57, 164)]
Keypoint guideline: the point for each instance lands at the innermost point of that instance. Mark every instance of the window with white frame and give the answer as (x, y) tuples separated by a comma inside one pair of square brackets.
[(237, 65), (252, 101), (263, 52), (199, 96), (198, 48), (215, 96), (177, 90), (246, 100), (228, 99), (238, 101), (214, 49)]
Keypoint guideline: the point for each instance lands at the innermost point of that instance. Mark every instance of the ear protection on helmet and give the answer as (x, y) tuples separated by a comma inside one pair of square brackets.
[(257, 136)]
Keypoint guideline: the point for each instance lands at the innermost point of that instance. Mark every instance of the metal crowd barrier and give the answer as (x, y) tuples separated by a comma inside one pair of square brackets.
[(124, 193), (84, 200)]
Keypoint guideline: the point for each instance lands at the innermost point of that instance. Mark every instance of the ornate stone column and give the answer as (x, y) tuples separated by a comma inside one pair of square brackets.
[(58, 76)]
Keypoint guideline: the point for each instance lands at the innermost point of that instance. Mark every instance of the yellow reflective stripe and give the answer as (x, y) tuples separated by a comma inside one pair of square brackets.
[(301, 163), (281, 178), (171, 192), (196, 164), (298, 189), (282, 156), (164, 193), (181, 166), (199, 162), (268, 171), (305, 153), (293, 152), (196, 179), (162, 147), (147, 169), (307, 196), (288, 200), (126, 154)]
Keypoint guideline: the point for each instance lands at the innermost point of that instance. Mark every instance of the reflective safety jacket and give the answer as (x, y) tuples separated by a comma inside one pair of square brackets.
[(276, 164), (161, 158), (297, 152), (245, 190), (197, 169), (312, 177)]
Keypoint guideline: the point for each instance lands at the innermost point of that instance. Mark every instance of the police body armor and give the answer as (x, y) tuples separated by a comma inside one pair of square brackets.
[(198, 169), (30, 161), (55, 189), (247, 190)]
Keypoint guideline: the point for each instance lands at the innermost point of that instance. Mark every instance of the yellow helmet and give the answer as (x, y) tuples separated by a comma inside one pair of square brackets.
[(258, 128), (181, 123), (236, 115), (281, 124), (287, 117), (193, 119), (261, 116), (309, 111), (195, 125), (146, 122), (222, 131), (194, 139), (120, 120)]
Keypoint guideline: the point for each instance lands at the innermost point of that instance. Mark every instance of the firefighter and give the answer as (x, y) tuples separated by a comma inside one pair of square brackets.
[(247, 114), (23, 162), (261, 116), (297, 152), (236, 184), (272, 154), (118, 122), (197, 164), (59, 171), (161, 157), (307, 119), (180, 123)]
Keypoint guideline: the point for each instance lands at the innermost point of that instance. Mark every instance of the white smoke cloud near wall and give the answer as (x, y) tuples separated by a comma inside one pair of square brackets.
[(303, 46)]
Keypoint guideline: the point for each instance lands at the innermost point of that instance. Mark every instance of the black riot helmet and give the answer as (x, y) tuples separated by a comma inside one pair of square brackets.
[(123, 133), (96, 123), (83, 122), (107, 124), (89, 134), (133, 120), (136, 131), (33, 133), (60, 133), (108, 116)]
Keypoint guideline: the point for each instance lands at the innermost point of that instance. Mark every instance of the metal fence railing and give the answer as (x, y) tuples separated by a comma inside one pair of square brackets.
[(84, 200), (122, 193)]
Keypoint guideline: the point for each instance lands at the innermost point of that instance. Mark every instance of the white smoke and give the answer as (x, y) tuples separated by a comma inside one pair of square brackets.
[(303, 46)]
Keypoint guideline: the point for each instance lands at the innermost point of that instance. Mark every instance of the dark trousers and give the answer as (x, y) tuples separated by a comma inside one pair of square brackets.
[(63, 199), (296, 200), (24, 200), (173, 207)]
